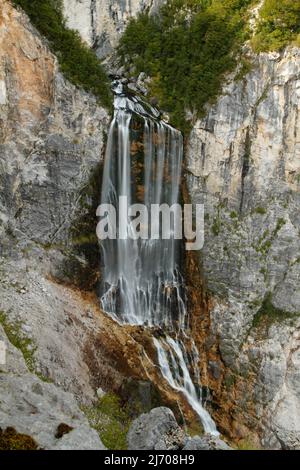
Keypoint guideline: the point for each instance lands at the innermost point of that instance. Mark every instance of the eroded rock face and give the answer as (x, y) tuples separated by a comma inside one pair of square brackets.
[(35, 408), (101, 22), (244, 164), (156, 430), (51, 147), (52, 141)]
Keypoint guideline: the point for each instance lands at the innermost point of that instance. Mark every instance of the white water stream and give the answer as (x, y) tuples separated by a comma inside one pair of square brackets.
[(142, 282)]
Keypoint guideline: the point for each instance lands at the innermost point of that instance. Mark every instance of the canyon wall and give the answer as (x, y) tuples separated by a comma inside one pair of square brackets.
[(101, 22), (243, 163), (52, 142)]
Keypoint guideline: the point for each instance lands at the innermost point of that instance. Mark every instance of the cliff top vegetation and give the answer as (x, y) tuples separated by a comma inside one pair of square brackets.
[(78, 62)]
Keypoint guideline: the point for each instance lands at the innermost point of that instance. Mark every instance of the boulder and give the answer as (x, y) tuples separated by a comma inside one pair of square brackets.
[(207, 442), (157, 430)]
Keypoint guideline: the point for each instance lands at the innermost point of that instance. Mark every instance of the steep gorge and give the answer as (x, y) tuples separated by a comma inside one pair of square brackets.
[(242, 161)]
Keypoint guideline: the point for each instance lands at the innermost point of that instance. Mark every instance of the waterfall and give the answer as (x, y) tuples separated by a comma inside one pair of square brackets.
[(142, 282)]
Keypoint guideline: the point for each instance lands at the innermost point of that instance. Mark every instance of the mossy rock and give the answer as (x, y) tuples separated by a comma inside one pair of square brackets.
[(10, 439)]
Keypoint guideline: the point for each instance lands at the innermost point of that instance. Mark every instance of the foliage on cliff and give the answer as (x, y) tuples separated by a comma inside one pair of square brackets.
[(278, 25), (186, 49), (111, 421), (78, 63)]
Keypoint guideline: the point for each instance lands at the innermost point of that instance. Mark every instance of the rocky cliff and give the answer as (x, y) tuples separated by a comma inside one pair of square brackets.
[(243, 163), (52, 138), (101, 22)]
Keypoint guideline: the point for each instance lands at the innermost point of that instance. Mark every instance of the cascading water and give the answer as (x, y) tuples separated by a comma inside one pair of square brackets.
[(141, 278)]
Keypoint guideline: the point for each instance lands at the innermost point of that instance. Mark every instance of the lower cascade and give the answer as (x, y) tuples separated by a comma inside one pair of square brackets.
[(142, 280)]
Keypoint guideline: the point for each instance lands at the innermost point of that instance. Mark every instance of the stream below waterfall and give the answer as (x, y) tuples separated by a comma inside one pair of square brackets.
[(142, 280)]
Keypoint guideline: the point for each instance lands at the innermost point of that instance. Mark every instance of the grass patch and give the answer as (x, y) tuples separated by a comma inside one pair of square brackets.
[(260, 210), (78, 62), (111, 420), (268, 314), (17, 338)]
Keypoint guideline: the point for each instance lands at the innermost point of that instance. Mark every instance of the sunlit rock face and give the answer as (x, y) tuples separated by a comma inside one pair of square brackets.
[(52, 140), (243, 162), (101, 22)]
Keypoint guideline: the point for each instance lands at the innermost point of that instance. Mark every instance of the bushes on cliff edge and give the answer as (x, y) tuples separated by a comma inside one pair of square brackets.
[(78, 63), (278, 25), (186, 49)]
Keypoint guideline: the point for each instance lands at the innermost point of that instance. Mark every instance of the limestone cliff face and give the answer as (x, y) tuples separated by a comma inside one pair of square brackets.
[(101, 22), (52, 139), (243, 163)]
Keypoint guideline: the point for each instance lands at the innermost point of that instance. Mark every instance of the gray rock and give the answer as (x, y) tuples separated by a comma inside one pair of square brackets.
[(101, 22), (244, 164), (206, 443), (155, 430), (36, 408)]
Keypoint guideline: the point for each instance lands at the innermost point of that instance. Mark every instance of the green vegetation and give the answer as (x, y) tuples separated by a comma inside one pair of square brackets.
[(245, 67), (246, 444), (268, 314), (216, 227), (233, 215), (17, 338), (11, 440), (186, 50), (264, 245), (111, 421), (279, 25), (77, 61), (260, 210)]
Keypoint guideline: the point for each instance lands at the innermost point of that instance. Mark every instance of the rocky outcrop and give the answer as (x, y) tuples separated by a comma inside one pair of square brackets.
[(206, 443), (158, 430), (38, 409), (101, 22), (243, 163), (51, 150), (52, 140)]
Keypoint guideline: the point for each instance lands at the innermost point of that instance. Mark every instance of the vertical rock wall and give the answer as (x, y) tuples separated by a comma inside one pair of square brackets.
[(243, 163)]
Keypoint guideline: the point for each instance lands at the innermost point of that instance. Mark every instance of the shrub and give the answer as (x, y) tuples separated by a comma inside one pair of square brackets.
[(10, 439), (77, 61), (279, 24), (268, 314), (111, 421), (186, 49)]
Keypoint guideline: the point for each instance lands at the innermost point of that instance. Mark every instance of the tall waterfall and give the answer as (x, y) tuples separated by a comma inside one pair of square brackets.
[(142, 282)]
